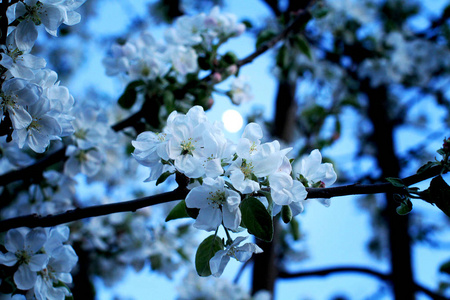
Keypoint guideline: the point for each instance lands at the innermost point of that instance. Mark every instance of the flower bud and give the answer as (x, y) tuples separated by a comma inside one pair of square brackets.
[(217, 77), (286, 214), (231, 70), (446, 145)]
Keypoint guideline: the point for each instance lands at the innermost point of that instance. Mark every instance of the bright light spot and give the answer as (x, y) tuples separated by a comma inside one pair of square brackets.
[(232, 120)]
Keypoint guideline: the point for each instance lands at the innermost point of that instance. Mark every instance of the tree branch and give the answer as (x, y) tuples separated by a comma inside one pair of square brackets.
[(377, 188), (181, 192), (303, 16), (347, 269), (329, 271), (35, 220)]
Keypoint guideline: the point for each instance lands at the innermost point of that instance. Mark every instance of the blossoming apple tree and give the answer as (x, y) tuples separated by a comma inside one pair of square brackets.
[(235, 190)]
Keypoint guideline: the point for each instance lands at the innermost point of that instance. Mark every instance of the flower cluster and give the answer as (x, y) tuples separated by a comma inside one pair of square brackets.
[(40, 261), (224, 175), (34, 108), (191, 36), (158, 71), (37, 113)]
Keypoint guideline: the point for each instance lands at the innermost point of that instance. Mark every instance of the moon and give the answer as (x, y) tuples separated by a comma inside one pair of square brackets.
[(232, 120)]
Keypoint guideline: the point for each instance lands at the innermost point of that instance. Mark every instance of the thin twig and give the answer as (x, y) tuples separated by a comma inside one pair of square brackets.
[(302, 18)]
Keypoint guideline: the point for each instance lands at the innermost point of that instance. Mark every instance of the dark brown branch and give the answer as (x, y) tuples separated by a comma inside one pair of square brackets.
[(329, 271), (3, 21), (181, 192), (377, 188), (35, 220), (368, 271), (34, 170)]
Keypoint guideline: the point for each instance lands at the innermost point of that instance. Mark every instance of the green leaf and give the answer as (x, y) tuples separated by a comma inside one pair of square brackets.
[(351, 101), (163, 177), (253, 177), (205, 252), (405, 207), (256, 218), (445, 267), (129, 96), (178, 212), (303, 46), (264, 36), (314, 115), (169, 101), (268, 196), (248, 24), (283, 58), (319, 12), (192, 212), (183, 255), (230, 58), (397, 182), (439, 194), (286, 214), (427, 166)]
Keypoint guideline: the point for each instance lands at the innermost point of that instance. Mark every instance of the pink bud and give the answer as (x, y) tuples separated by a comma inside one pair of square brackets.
[(231, 70), (210, 103), (217, 77)]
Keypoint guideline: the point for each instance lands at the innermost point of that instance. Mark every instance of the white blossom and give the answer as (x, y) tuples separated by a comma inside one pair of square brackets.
[(240, 90), (254, 159), (50, 13), (42, 129), (20, 64), (87, 162), (184, 59), (62, 260), (218, 205), (315, 173), (241, 253), (23, 249), (285, 190), (16, 95)]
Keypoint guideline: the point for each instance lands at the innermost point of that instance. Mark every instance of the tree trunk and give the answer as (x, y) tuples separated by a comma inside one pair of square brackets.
[(265, 268), (399, 238)]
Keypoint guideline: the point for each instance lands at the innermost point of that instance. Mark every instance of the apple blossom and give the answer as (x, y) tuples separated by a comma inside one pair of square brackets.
[(24, 249), (20, 64), (50, 13), (16, 95), (218, 205), (240, 90), (41, 130), (314, 173), (87, 162), (241, 253)]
